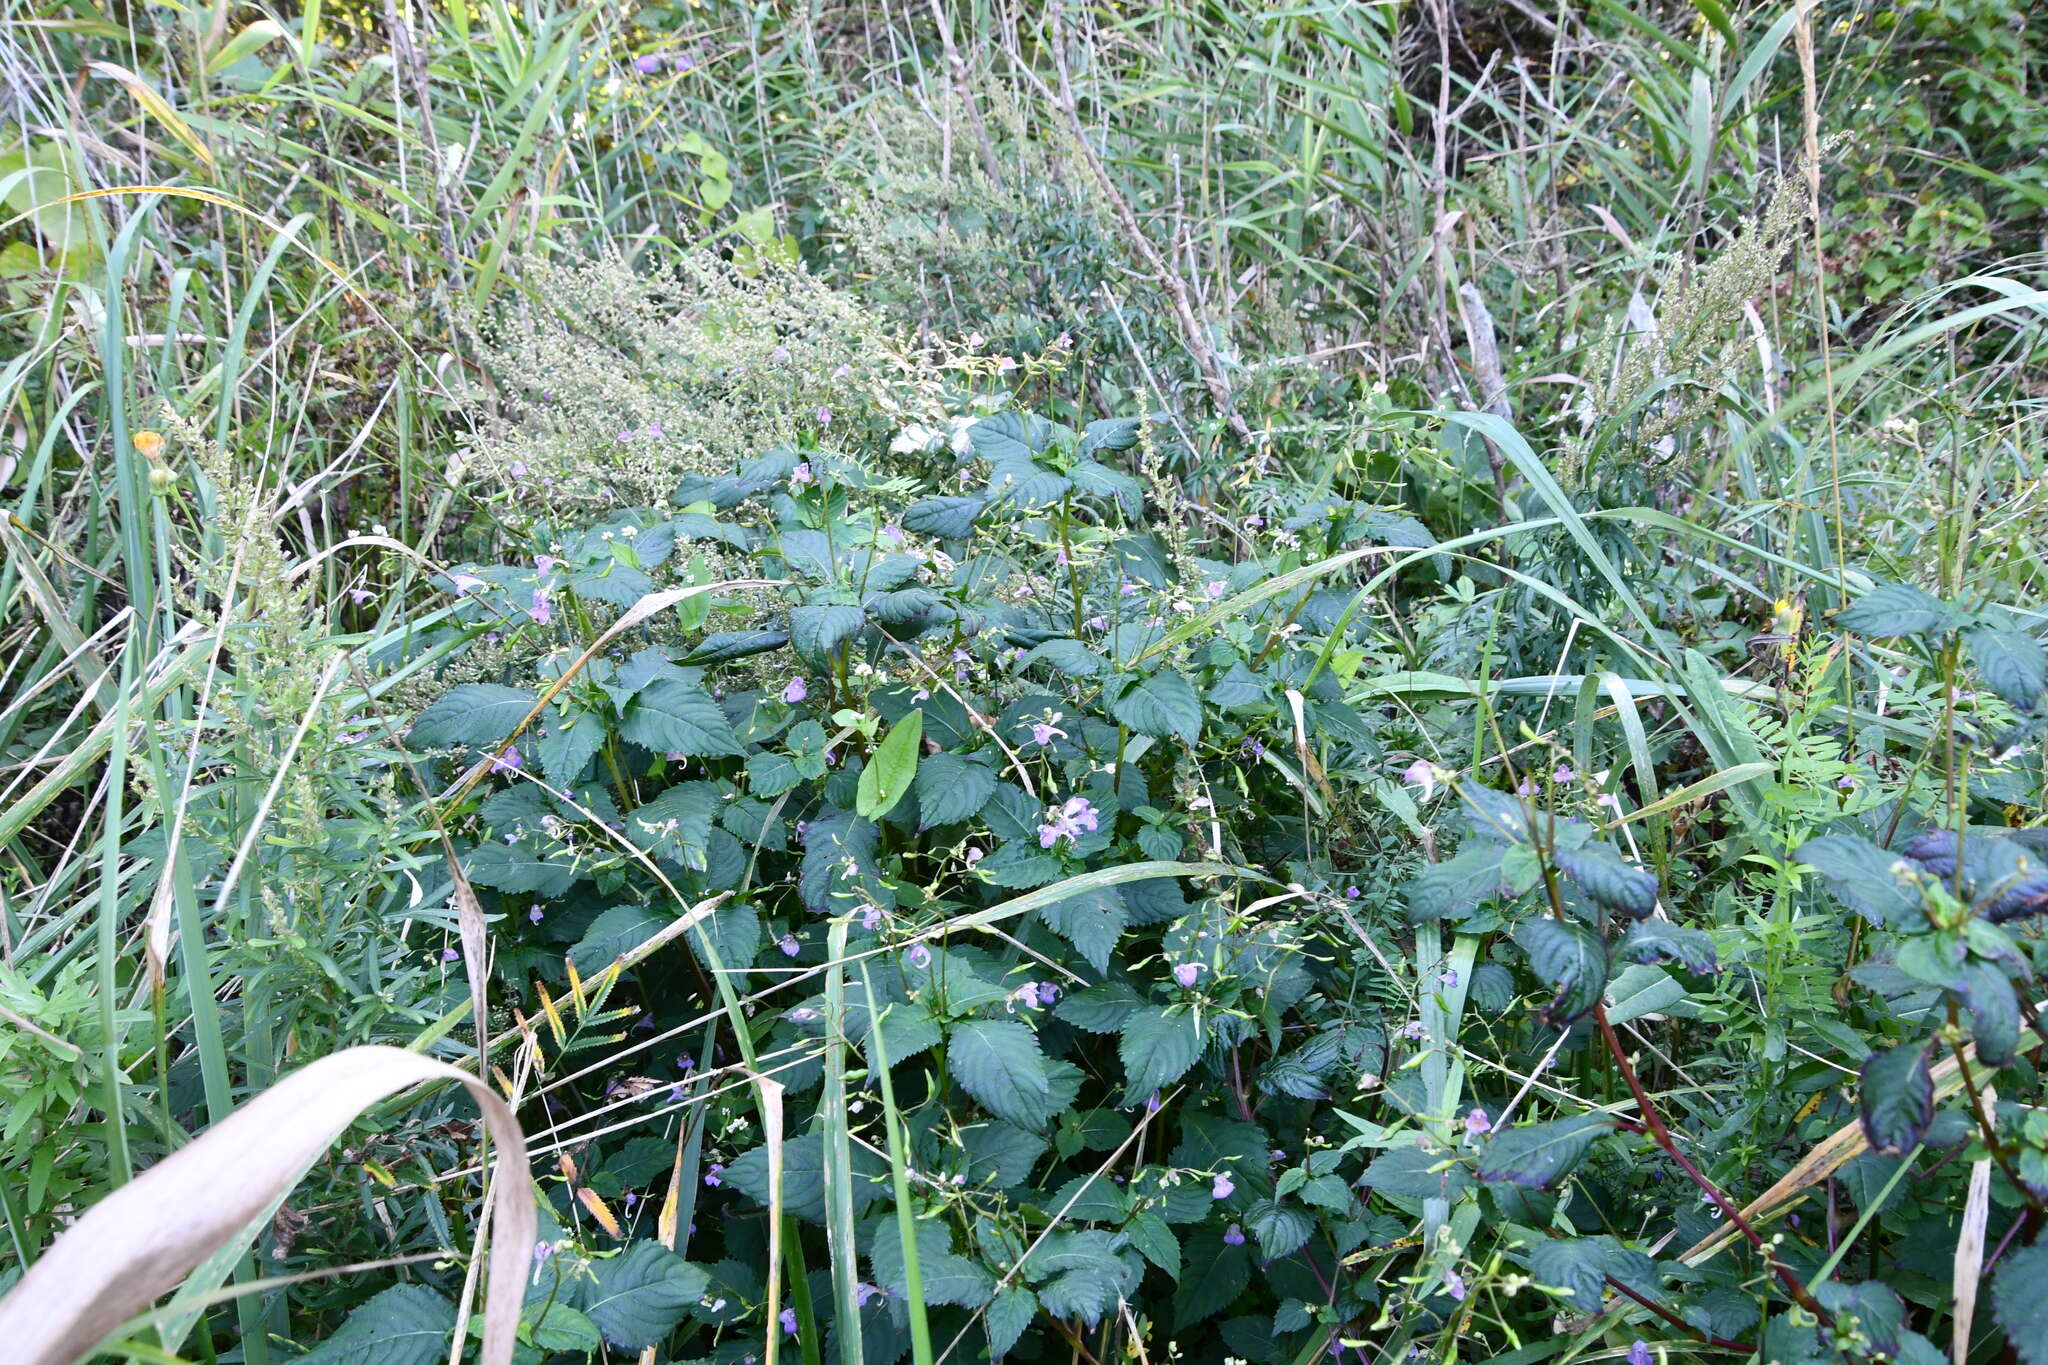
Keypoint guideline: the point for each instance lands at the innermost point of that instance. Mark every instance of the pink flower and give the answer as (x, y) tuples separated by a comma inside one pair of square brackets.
[(1217, 589), (1042, 733), (1188, 973), (795, 691), (465, 583), (1476, 1123), (544, 564), (361, 595), (540, 611), (1069, 822), (920, 956), (801, 475), (824, 416), (1222, 1187)]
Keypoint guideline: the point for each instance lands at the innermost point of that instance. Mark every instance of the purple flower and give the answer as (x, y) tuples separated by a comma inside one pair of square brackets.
[(465, 583), (1069, 822), (871, 917), (802, 1014), (795, 690), (1255, 520), (1043, 731), (801, 475), (1477, 1123), (824, 416), (647, 65), (862, 1293), (1639, 1352), (973, 856), (360, 595), (711, 1175), (1188, 973), (893, 534), (1218, 589), (507, 762), (1233, 1236), (542, 1250), (1097, 623), (541, 611), (1564, 775), (451, 955), (1454, 1285), (920, 956), (1029, 995), (789, 1321), (544, 564), (1222, 1187), (1152, 1103), (790, 947), (1352, 893), (535, 915)]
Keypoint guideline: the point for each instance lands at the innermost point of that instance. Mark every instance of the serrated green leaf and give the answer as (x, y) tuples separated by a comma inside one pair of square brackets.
[(1897, 1099), (1091, 921), (1538, 1155), (1158, 1046), (2020, 1305), (1458, 883), (1155, 1241), (568, 746), (618, 930), (1655, 940), (723, 646), (407, 1324), (1882, 886), (1570, 958), (480, 714), (1280, 1230), (945, 517), (637, 1298), (1162, 705), (674, 717), (1994, 1007), (1009, 1313), (1892, 609), (951, 789), (1103, 1008), (999, 1063), (814, 631), (532, 867), (1602, 873), (2012, 664)]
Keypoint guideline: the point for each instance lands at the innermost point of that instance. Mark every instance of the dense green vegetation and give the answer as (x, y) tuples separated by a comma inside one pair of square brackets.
[(1064, 684)]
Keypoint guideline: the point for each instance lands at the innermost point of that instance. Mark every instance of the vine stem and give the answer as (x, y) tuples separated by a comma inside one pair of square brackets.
[(1661, 1135), (1681, 1324)]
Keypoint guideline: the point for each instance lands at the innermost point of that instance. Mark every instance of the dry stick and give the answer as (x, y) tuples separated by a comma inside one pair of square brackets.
[(1175, 288), (964, 90), (1662, 1135)]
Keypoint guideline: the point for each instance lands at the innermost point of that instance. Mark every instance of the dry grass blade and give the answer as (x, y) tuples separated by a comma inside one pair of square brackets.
[(142, 1240)]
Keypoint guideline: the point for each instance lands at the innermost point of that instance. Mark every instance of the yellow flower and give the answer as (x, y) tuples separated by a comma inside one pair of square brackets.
[(150, 443)]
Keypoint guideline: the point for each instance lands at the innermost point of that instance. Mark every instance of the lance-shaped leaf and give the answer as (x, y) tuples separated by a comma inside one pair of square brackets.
[(1897, 1099), (893, 768), (1895, 609), (1994, 1010), (1571, 958)]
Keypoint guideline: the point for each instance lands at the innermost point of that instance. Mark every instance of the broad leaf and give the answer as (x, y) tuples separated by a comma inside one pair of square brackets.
[(1458, 884), (637, 1298), (1538, 1155), (951, 789), (674, 717), (1895, 609), (814, 631), (1158, 1046), (1897, 1099), (1570, 958), (1162, 705), (1882, 886), (407, 1324), (998, 1062), (472, 713), (1602, 873), (2020, 1305)]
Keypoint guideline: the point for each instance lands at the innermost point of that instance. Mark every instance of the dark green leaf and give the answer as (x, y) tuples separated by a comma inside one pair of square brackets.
[(726, 645), (951, 789), (472, 713), (1895, 609), (2011, 663), (1994, 1007), (1161, 704), (1091, 921), (1897, 1099), (1281, 1231), (407, 1324), (1657, 940), (1456, 885), (999, 1063), (946, 518), (2020, 1305), (637, 1298), (1158, 1046), (814, 631), (1571, 958), (1602, 873), (1538, 1155), (674, 717)]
